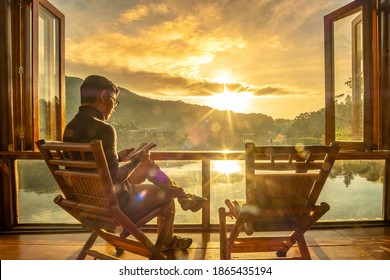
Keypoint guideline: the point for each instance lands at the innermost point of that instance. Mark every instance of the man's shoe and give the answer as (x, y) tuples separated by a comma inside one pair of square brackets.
[(192, 202), (177, 242)]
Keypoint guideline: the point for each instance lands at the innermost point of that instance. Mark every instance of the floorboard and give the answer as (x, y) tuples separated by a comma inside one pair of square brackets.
[(357, 243)]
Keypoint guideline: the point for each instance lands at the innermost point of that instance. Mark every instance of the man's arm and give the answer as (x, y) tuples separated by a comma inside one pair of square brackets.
[(119, 173)]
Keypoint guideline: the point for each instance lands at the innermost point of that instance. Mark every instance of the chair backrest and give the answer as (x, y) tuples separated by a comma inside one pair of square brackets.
[(283, 183), (81, 172)]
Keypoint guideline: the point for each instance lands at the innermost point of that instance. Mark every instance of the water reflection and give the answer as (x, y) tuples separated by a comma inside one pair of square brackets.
[(226, 166), (354, 190)]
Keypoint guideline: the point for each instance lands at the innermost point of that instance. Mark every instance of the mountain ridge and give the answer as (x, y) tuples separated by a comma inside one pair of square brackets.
[(179, 125)]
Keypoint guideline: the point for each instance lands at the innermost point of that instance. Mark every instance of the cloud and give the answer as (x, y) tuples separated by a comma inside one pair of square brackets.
[(175, 47), (275, 42), (168, 50), (134, 14), (142, 11), (280, 90)]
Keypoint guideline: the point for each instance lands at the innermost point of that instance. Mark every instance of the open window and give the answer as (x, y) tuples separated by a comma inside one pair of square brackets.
[(48, 71), (32, 97), (350, 77), (38, 95)]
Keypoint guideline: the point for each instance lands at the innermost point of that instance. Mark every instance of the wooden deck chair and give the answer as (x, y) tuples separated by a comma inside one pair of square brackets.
[(283, 184), (88, 195)]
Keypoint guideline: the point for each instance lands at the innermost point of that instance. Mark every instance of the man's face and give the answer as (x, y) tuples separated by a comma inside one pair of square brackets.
[(111, 103)]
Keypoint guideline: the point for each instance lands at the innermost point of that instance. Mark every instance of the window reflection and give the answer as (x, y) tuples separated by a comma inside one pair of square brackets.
[(48, 80), (348, 78)]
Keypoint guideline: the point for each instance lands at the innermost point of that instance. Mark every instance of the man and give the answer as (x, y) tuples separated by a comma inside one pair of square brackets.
[(98, 102)]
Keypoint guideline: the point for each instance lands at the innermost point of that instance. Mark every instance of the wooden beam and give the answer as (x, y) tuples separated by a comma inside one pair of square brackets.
[(4, 167)]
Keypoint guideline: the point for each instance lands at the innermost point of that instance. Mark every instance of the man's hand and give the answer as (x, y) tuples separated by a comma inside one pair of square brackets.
[(143, 156), (124, 154)]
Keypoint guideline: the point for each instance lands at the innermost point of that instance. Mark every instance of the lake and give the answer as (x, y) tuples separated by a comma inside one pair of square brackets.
[(361, 200)]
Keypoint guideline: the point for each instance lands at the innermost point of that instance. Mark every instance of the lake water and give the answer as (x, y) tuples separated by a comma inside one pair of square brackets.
[(362, 200)]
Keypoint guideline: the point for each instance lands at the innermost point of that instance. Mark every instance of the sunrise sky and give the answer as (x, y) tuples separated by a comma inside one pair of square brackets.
[(262, 56)]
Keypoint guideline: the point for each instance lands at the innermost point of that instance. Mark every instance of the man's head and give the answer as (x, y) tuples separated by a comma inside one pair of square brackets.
[(100, 93)]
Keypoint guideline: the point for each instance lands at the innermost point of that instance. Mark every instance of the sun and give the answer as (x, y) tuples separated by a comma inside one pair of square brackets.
[(229, 100)]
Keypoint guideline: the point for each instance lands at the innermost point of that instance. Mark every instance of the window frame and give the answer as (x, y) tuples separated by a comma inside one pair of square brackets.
[(370, 76), (11, 85), (60, 117), (19, 84)]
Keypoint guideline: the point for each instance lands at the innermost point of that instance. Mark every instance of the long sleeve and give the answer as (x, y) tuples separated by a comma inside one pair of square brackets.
[(118, 173), (89, 124)]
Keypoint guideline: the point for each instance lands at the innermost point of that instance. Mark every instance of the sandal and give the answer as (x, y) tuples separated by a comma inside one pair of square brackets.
[(177, 242)]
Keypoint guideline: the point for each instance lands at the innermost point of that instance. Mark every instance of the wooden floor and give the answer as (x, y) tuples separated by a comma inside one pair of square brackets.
[(357, 243)]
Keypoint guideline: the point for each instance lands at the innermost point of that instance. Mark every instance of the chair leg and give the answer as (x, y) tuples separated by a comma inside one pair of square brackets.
[(282, 252), (303, 248), (119, 252), (88, 244), (129, 226), (223, 248), (226, 243)]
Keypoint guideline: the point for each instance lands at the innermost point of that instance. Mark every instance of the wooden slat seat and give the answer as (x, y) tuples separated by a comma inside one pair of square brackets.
[(81, 172), (283, 184)]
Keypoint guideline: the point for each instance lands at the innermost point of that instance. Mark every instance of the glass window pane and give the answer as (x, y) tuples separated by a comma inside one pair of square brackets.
[(227, 182), (354, 191), (348, 78), (49, 79), (37, 190), (188, 175)]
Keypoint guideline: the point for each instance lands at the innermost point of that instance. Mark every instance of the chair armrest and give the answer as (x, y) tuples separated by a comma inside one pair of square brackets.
[(234, 207)]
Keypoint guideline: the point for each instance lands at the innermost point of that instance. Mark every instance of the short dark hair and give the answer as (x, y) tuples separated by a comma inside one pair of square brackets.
[(93, 85)]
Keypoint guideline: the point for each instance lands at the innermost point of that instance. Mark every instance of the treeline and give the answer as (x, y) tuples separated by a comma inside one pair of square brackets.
[(176, 125)]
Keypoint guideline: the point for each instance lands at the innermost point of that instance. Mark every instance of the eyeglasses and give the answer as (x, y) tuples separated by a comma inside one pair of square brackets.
[(116, 102)]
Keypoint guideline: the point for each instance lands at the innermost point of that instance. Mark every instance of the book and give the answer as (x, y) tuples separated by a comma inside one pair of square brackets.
[(143, 147)]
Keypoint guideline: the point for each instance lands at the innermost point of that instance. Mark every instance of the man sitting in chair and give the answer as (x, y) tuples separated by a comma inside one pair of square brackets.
[(98, 102)]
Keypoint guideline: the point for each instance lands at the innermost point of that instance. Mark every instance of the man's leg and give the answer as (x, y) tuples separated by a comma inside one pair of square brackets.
[(149, 197), (145, 198), (151, 171)]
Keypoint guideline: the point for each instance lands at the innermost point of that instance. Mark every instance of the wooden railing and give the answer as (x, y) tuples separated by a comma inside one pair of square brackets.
[(7, 159)]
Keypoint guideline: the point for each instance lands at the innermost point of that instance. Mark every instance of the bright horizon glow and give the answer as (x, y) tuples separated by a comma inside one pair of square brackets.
[(230, 100), (226, 166)]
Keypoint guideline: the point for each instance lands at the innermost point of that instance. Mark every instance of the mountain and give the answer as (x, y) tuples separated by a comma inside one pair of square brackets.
[(175, 125)]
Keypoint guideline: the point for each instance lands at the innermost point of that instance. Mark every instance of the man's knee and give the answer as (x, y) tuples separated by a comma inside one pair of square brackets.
[(168, 210)]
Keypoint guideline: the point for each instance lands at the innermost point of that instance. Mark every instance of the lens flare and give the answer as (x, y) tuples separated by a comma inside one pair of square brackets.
[(226, 166)]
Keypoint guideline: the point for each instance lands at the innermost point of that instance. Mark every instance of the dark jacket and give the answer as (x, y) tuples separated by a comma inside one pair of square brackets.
[(89, 124)]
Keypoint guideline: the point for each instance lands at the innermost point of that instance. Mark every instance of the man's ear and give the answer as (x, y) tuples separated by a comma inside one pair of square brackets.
[(101, 96)]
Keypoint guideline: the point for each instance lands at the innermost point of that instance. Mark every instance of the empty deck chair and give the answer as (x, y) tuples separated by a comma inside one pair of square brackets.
[(283, 184), (88, 195)]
